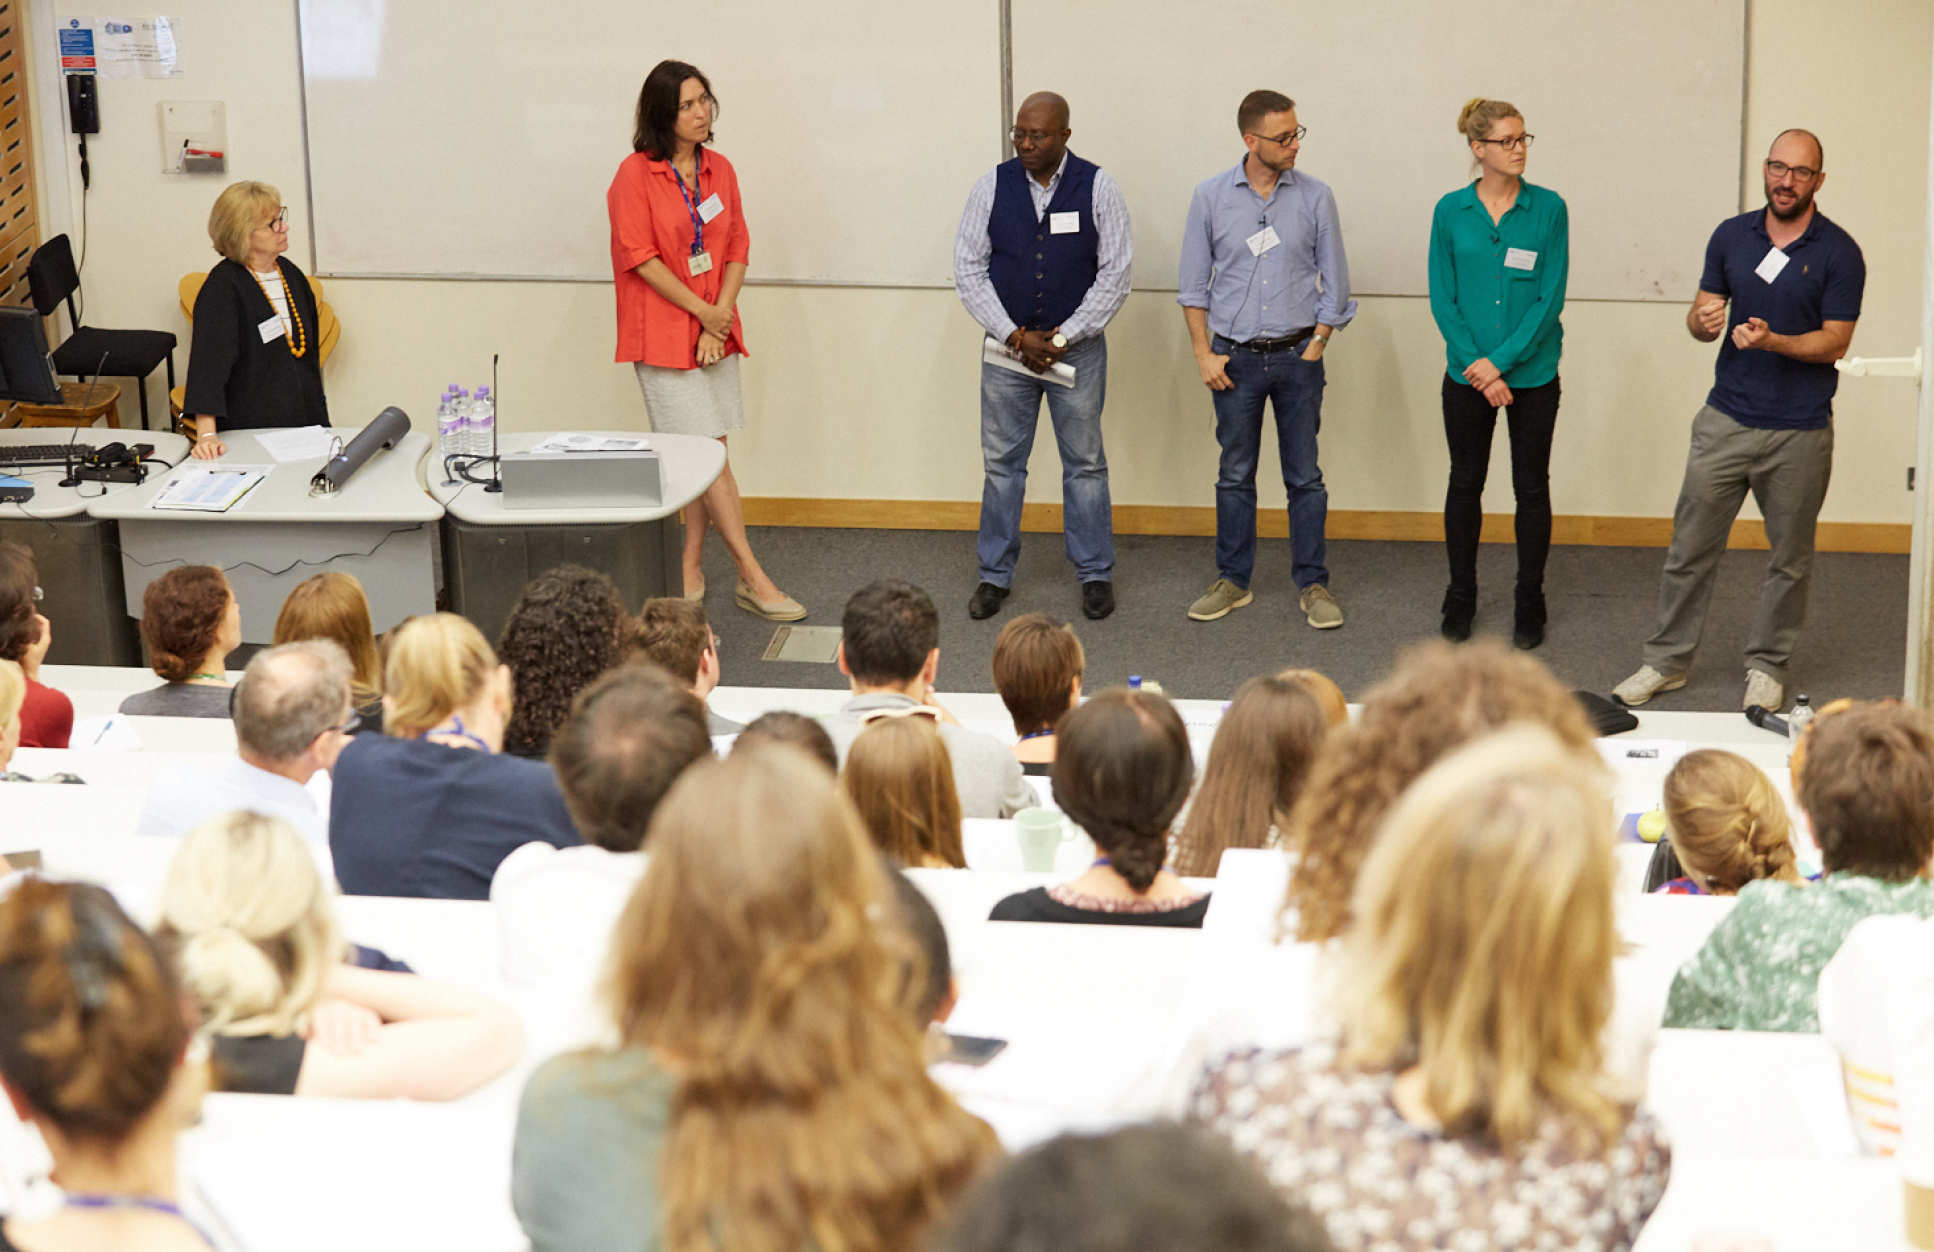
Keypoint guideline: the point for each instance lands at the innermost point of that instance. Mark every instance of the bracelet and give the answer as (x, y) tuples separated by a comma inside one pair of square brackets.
[(206, 434), (1323, 339)]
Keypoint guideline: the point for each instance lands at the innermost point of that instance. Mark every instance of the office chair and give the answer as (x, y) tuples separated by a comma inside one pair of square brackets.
[(89, 350), (190, 286)]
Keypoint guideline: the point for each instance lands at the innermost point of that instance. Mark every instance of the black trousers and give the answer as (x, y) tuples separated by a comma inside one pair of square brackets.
[(1469, 421)]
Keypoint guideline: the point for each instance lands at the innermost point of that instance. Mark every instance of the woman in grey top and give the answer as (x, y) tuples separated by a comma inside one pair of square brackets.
[(190, 623)]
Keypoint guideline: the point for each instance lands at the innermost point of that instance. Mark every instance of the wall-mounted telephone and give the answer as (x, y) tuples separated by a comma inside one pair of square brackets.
[(83, 104)]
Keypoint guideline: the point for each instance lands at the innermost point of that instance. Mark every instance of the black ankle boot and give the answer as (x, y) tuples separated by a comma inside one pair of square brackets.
[(1459, 612), (1528, 624)]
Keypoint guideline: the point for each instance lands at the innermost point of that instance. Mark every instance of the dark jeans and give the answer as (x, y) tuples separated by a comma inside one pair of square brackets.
[(1294, 387), (1469, 421)]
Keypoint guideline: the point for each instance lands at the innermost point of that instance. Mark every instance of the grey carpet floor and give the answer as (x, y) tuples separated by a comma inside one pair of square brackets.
[(1601, 602)]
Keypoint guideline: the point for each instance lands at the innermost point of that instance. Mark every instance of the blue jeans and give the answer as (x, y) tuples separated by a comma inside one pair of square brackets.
[(1010, 409), (1294, 387)]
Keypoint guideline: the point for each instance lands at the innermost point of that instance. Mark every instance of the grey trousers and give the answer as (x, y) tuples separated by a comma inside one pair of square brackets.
[(1787, 472)]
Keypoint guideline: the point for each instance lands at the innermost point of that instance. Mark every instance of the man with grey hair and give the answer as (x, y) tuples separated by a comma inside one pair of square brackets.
[(292, 712)]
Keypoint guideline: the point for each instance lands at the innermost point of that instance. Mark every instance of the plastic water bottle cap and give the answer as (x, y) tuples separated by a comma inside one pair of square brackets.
[(483, 391), (1134, 682)]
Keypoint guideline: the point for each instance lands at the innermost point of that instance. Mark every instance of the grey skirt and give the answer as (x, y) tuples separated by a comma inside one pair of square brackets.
[(703, 401)]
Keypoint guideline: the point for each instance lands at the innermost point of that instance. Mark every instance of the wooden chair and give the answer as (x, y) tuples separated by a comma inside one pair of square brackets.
[(190, 286), (81, 404)]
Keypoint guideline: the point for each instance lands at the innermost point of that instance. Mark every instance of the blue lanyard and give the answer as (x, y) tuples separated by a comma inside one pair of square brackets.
[(690, 197), (459, 732), (1037, 734), (149, 1203)]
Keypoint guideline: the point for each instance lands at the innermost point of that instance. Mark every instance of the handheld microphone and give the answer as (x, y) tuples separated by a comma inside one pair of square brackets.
[(1766, 719), (385, 431)]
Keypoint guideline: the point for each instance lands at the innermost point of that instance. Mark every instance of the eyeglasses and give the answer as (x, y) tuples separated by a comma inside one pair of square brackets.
[(704, 101), (1283, 140), (1800, 173), (1017, 135), (715, 641), (349, 724), (1511, 143), (277, 222)]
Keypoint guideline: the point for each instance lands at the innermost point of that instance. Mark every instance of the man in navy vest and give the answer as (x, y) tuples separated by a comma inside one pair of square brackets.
[(1041, 262)]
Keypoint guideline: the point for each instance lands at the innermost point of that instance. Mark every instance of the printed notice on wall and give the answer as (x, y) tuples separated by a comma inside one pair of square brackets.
[(76, 44), (139, 47)]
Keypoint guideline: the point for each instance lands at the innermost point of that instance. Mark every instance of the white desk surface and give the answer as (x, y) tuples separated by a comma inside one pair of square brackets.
[(53, 502), (687, 464), (385, 489), (1798, 1203)]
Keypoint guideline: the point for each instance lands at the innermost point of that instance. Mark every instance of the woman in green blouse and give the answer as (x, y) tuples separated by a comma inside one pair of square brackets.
[(1498, 258)]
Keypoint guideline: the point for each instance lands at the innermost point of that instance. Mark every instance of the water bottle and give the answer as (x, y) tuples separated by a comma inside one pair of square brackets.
[(449, 431), (1798, 719), (483, 422), (1137, 683), (460, 414)]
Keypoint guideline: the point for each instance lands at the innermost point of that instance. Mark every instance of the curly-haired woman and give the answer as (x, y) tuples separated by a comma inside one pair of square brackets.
[(190, 622), (568, 627)]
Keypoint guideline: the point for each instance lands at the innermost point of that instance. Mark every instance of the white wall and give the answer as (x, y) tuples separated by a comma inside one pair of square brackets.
[(872, 393)]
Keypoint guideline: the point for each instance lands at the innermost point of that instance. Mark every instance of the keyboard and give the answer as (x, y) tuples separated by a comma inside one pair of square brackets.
[(21, 454)]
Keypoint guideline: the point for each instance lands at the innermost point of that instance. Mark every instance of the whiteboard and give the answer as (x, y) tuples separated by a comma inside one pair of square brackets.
[(1637, 108), (477, 139)]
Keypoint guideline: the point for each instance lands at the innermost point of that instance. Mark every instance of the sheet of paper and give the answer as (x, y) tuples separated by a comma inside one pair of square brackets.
[(574, 441), (209, 489), (297, 443), (995, 353)]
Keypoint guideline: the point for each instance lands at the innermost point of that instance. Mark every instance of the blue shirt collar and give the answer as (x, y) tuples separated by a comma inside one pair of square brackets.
[(1806, 236), (1241, 175)]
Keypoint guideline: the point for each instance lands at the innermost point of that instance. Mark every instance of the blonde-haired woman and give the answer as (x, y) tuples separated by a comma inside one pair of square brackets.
[(431, 806), (900, 778), (255, 937), (769, 1090), (254, 360), (1499, 255), (1464, 1096), (332, 606), (1727, 825)]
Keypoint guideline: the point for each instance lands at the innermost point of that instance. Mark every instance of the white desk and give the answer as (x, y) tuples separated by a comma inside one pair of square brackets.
[(491, 550), (77, 556), (378, 528)]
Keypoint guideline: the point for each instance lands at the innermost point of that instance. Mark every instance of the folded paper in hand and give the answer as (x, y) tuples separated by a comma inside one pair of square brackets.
[(997, 354)]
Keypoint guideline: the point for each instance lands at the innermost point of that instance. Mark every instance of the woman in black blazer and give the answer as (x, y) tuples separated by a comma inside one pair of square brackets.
[(256, 358)]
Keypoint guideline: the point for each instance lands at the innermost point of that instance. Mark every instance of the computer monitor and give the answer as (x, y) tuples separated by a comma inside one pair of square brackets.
[(26, 368)]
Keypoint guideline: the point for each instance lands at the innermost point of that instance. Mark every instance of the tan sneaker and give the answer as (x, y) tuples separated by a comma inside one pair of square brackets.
[(1763, 691), (1320, 607), (1221, 599), (1645, 684)]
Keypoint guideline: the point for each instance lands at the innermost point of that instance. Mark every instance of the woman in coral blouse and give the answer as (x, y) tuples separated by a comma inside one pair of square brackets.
[(678, 254)]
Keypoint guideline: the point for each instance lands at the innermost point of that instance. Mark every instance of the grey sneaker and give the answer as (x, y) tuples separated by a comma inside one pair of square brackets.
[(1764, 690), (1645, 684), (1221, 599), (1320, 607)]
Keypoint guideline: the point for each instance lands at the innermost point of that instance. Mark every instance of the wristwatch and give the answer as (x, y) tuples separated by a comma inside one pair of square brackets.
[(1059, 341)]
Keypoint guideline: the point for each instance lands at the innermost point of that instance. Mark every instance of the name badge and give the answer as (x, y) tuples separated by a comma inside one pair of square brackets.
[(1064, 223), (711, 208), (1262, 241), (1771, 264), (701, 264), (1520, 259), (270, 330)]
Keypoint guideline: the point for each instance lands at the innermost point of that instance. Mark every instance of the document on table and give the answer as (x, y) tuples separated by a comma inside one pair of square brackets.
[(209, 488), (995, 353), (574, 442), (297, 443)]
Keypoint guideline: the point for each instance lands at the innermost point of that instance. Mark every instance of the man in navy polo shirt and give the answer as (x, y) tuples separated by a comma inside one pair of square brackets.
[(1794, 281), (1041, 262)]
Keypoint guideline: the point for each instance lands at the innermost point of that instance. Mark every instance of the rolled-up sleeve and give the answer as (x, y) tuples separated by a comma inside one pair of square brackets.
[(1109, 291), (973, 249), (633, 241), (1334, 307), (1198, 264)]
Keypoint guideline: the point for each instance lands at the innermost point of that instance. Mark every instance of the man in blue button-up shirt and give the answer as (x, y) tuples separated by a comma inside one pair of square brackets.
[(1263, 284)]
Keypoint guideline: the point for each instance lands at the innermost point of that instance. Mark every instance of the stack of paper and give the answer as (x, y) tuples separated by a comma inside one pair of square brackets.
[(208, 488)]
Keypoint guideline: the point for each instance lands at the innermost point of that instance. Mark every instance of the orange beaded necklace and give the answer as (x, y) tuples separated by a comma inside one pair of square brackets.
[(297, 341)]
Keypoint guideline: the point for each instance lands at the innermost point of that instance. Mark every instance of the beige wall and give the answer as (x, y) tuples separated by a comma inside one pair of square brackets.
[(871, 393)]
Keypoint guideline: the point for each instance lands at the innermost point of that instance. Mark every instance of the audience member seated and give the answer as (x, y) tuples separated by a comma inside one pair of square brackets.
[(931, 968), (190, 622), (1121, 774), (47, 716), (569, 626), (1155, 1185), (1038, 664), (1877, 1010), (899, 777), (890, 651), (1329, 696), (1440, 697), (332, 606), (762, 1039), (628, 737), (254, 933), (1261, 755), (1463, 1101), (1868, 793), (94, 1051), (430, 807), (673, 633), (794, 730), (1726, 825), (13, 694), (292, 716)]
